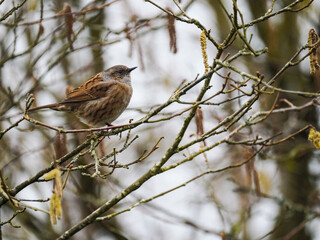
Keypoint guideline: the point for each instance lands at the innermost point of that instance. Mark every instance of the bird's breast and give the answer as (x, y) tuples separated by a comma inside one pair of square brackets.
[(108, 108)]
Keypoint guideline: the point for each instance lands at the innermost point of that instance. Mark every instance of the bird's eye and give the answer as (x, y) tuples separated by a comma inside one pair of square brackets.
[(121, 72)]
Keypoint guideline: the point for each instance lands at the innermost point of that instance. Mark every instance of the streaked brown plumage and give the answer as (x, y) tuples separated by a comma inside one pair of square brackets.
[(101, 99)]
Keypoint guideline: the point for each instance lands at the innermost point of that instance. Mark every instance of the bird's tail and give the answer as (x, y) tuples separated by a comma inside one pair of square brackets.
[(53, 106)]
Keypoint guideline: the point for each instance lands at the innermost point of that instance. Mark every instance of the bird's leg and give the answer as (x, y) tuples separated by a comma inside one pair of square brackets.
[(91, 133), (110, 125)]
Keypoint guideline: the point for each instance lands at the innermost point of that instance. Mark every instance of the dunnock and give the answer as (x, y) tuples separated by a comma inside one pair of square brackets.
[(101, 99)]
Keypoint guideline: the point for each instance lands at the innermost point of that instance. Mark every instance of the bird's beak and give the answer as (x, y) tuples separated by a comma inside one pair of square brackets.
[(131, 69)]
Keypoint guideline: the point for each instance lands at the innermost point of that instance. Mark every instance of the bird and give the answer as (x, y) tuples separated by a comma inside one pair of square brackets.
[(100, 100)]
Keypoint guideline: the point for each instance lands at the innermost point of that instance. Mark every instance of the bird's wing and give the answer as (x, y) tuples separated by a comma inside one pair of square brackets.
[(92, 89)]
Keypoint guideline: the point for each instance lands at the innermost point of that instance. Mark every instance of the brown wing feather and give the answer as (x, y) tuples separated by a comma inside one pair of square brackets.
[(92, 89)]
